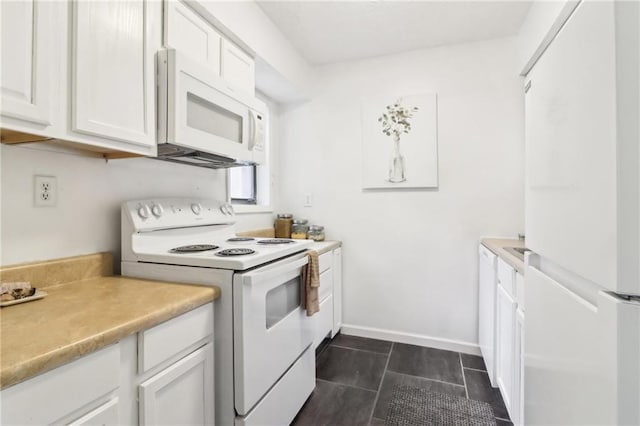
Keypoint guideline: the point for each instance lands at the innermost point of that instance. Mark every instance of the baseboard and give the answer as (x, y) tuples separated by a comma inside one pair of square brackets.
[(410, 338)]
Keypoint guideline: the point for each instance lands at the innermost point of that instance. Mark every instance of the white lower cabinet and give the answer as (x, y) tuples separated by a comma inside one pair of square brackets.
[(73, 393), (110, 387), (328, 321), (501, 286), (518, 386), (506, 310), (180, 394)]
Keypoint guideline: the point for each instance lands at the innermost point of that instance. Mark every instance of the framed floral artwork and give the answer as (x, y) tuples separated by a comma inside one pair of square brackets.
[(400, 142)]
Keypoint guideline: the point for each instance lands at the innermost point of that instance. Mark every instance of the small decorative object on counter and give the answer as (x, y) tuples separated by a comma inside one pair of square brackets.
[(299, 229), (316, 233), (283, 225)]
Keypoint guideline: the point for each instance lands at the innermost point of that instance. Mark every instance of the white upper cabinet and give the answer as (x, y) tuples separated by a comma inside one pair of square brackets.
[(191, 35), (27, 61), (238, 68), (113, 69)]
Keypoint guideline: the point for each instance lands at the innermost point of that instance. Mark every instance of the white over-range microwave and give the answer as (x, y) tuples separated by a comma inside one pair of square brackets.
[(202, 121)]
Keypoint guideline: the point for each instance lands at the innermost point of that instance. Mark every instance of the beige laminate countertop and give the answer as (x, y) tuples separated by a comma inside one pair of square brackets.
[(497, 246), (80, 317), (325, 246)]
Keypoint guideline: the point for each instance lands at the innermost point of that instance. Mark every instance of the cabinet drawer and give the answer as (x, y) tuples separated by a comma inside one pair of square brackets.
[(486, 253), (160, 343), (506, 277), (325, 261), (57, 394), (326, 285), (323, 321), (106, 414)]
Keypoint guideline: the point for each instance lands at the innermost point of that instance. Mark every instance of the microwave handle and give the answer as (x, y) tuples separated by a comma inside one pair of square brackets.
[(253, 126)]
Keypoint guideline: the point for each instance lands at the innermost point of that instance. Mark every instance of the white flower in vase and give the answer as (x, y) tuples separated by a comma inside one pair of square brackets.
[(396, 122)]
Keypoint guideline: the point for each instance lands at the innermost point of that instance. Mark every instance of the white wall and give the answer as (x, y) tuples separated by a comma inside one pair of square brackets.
[(90, 190), (410, 257)]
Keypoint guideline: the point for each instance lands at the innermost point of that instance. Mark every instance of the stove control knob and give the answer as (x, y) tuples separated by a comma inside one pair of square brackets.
[(157, 210), (226, 209), (196, 208), (144, 212)]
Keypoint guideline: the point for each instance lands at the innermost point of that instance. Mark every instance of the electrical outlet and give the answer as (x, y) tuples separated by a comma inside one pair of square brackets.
[(45, 191), (308, 200)]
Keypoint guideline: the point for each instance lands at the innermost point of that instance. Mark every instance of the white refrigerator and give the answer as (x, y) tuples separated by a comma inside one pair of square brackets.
[(582, 280)]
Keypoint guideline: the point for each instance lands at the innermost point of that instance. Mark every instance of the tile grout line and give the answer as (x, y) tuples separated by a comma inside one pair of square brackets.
[(342, 384), (362, 350), (474, 369), (426, 378), (464, 379), (384, 372)]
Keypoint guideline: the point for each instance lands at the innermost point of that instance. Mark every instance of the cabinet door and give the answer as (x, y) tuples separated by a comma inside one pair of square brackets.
[(27, 60), (506, 310), (487, 309), (238, 68), (182, 393), (113, 69), (337, 291), (518, 383), (191, 35)]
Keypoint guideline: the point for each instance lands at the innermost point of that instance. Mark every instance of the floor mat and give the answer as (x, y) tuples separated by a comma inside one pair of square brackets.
[(411, 406)]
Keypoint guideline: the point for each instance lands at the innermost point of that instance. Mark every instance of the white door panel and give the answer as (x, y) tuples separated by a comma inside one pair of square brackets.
[(27, 60), (571, 147), (113, 65), (582, 357), (487, 309)]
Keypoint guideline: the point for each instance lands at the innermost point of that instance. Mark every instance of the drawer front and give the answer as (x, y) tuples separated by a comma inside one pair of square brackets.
[(54, 395), (326, 285), (486, 253), (283, 401), (506, 277), (325, 261), (323, 321), (106, 415), (160, 343)]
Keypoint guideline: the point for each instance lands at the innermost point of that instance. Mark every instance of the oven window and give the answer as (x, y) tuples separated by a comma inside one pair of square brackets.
[(210, 118), (282, 300)]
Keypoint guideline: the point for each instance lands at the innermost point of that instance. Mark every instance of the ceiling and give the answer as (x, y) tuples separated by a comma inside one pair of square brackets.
[(335, 31)]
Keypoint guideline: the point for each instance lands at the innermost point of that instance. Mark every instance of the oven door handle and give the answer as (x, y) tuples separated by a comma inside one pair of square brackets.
[(281, 272)]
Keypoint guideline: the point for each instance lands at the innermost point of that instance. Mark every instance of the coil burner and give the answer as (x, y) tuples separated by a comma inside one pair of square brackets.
[(193, 248), (276, 241), (235, 252)]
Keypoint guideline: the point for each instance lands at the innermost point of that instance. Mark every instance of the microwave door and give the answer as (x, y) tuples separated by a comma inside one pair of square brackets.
[(207, 119)]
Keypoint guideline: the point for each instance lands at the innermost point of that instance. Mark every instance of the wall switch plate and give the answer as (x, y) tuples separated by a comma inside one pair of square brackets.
[(45, 191), (307, 200)]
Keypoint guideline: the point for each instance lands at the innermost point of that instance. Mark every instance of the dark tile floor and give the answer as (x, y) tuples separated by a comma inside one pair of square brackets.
[(355, 377)]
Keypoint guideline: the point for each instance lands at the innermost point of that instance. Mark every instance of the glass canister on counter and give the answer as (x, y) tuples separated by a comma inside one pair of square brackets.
[(283, 225), (316, 233), (299, 229)]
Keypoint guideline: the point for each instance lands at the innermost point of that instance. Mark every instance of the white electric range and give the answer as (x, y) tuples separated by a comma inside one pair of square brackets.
[(265, 366)]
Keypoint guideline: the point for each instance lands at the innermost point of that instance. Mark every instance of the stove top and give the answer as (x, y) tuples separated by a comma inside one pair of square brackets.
[(192, 232)]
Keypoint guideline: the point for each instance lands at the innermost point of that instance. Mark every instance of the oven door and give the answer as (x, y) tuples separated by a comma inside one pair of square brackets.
[(199, 111), (271, 330)]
